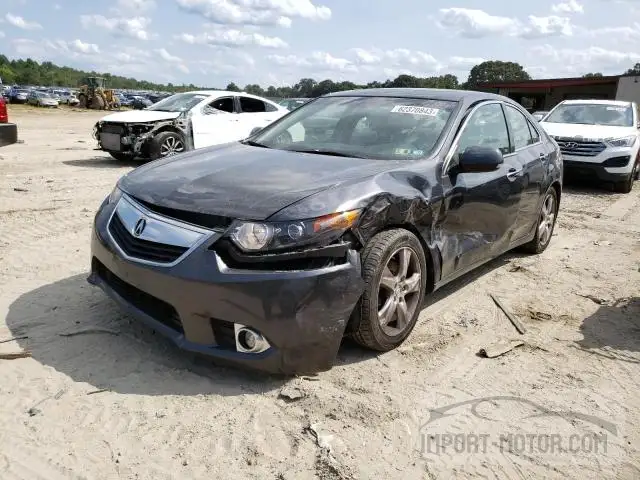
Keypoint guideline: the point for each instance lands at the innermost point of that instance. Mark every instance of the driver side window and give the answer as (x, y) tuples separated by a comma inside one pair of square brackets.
[(224, 104), (487, 127)]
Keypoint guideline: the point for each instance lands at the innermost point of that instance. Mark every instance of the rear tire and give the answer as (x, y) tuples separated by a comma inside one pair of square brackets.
[(545, 224), (82, 101), (394, 270)]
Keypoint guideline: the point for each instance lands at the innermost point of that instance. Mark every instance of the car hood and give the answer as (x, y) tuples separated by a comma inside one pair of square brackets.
[(242, 182), (594, 132), (140, 116)]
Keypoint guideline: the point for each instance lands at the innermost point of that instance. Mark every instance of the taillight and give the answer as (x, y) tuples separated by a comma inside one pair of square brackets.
[(4, 116)]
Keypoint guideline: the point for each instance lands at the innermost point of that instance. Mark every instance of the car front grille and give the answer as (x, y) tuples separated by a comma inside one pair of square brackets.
[(157, 309), (580, 148), (112, 128), (142, 249)]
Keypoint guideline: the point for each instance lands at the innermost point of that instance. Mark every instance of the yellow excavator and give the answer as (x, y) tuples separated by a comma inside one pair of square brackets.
[(93, 95)]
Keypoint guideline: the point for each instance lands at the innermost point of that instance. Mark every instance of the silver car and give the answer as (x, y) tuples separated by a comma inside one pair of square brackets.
[(42, 99)]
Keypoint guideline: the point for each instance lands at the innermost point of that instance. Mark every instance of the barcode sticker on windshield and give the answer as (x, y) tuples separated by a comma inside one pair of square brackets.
[(431, 112), (617, 109)]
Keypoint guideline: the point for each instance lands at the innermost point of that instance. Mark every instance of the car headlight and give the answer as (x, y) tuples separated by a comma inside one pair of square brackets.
[(263, 236), (622, 142), (115, 195)]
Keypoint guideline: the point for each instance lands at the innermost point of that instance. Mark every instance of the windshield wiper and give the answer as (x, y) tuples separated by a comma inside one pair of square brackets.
[(319, 151), (254, 144)]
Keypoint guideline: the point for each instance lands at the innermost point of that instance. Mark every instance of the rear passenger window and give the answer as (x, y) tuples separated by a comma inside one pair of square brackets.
[(519, 128), (252, 105), (535, 137)]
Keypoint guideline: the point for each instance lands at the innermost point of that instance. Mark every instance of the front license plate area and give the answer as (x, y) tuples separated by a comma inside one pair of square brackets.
[(110, 141)]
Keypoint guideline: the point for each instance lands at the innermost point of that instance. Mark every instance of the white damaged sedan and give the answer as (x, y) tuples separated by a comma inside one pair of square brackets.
[(184, 121)]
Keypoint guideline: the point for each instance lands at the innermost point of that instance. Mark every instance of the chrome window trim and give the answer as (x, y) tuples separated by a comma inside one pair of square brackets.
[(528, 121), (454, 145), (203, 234)]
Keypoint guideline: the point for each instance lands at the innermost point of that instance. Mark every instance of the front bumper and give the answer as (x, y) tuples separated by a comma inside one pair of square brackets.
[(303, 314), (573, 168), (611, 164)]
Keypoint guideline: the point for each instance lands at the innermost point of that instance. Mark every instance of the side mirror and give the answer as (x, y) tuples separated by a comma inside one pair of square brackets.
[(254, 130), (480, 159)]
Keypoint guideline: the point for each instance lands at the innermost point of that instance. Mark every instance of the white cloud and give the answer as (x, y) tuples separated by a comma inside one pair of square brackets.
[(570, 6), (255, 12), (540, 27), (464, 63), (398, 57), (132, 27), (55, 48), (134, 5), (20, 22), (2, 35), (172, 60), (472, 23), (317, 61), (232, 38), (580, 60), (57, 7), (476, 23), (623, 33)]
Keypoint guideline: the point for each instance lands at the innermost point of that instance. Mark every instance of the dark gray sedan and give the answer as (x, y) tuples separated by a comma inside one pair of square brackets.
[(336, 219)]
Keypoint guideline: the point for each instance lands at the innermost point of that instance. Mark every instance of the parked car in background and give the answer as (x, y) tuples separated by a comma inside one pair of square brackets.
[(8, 131), (293, 103), (267, 251), (69, 98), (599, 139), (42, 99), (19, 95), (183, 121), (139, 102), (539, 115)]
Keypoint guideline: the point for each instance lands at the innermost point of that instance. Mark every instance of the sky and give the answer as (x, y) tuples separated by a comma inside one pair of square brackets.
[(277, 42)]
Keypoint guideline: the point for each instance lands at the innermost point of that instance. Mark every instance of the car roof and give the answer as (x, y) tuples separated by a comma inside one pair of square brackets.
[(224, 93), (620, 103), (468, 96)]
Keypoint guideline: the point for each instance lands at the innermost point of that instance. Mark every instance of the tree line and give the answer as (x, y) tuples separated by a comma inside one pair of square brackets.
[(30, 72)]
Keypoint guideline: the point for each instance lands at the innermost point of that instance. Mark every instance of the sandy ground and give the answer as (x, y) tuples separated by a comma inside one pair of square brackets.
[(431, 409)]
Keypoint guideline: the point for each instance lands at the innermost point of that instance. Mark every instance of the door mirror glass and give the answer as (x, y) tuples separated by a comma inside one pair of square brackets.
[(254, 130), (480, 159)]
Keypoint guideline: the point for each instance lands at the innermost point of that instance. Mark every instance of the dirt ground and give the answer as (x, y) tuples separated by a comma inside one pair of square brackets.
[(129, 405)]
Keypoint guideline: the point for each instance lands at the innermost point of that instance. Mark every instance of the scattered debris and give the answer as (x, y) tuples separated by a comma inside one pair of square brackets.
[(12, 339), (593, 298), (33, 411), (323, 439), (89, 331), (500, 348), (14, 355), (290, 393), (597, 242), (540, 316), (311, 379), (516, 323), (93, 392), (20, 189), (516, 268)]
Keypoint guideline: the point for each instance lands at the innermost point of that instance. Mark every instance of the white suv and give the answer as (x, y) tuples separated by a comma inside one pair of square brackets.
[(598, 138)]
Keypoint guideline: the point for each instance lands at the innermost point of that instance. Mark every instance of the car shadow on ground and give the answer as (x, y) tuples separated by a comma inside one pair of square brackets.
[(351, 352), (103, 162), (587, 187), (116, 352), (613, 331)]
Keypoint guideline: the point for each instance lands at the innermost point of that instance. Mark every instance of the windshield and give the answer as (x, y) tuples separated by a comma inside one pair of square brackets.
[(592, 114), (364, 127), (180, 102)]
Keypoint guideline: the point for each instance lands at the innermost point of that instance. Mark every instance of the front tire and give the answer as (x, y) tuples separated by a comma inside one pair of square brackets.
[(545, 225), (394, 270), (166, 144)]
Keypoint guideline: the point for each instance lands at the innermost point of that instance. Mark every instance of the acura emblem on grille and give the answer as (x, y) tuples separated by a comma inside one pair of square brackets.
[(139, 228)]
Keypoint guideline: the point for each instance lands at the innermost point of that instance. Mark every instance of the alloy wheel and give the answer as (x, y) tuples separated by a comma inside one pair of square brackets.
[(547, 219), (399, 291), (171, 146)]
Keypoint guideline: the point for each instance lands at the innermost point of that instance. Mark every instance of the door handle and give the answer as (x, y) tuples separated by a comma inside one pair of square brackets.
[(513, 173)]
